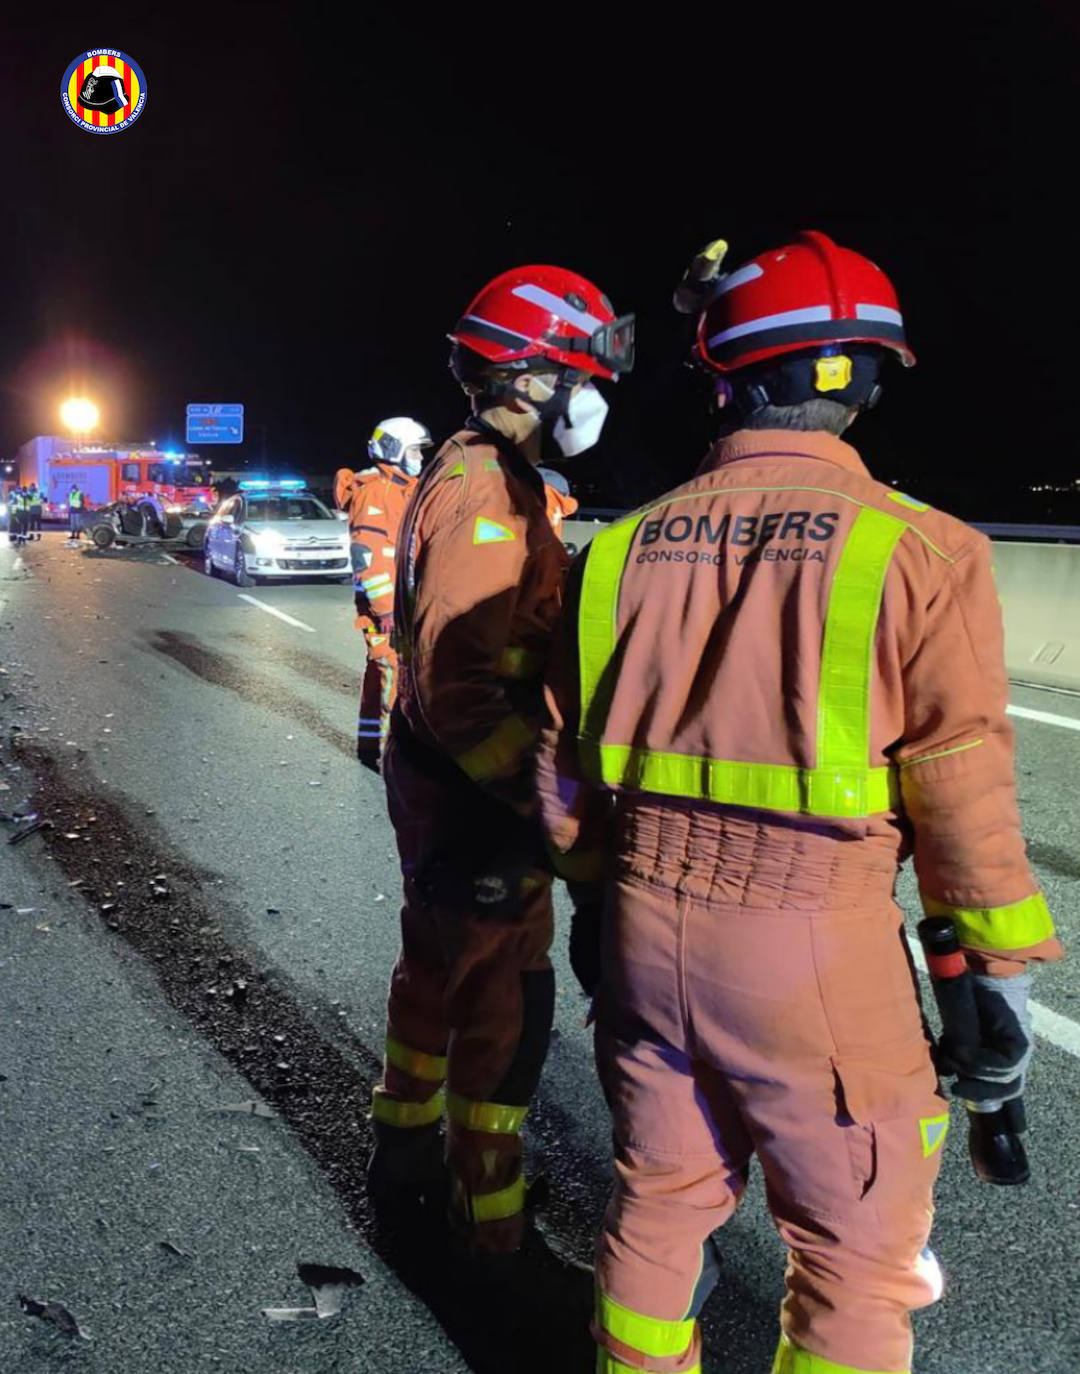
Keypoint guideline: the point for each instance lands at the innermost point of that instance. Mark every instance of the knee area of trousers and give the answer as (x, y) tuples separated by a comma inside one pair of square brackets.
[(537, 1013), (693, 1181)]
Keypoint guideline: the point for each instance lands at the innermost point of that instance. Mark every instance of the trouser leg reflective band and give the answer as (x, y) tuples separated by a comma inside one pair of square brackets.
[(792, 1359), (393, 1112), (480, 1207), (606, 1363), (654, 1338), (485, 1116)]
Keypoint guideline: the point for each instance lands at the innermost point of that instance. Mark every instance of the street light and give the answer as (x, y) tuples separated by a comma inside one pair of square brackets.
[(79, 415)]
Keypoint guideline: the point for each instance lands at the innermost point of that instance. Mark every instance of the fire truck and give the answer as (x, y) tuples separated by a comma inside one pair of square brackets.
[(121, 472)]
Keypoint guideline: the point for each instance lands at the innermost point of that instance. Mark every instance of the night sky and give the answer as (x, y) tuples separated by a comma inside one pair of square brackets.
[(304, 209)]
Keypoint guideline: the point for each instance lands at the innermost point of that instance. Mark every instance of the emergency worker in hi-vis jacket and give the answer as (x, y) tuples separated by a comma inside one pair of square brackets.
[(770, 687)]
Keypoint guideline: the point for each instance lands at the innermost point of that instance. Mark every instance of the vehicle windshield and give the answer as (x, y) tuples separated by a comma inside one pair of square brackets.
[(172, 474), (277, 508), (191, 475)]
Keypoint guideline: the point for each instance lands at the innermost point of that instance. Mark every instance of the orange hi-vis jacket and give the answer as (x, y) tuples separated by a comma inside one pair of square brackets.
[(375, 499), (478, 592), (787, 636)]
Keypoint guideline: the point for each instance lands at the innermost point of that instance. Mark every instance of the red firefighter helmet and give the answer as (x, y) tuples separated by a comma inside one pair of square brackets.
[(810, 293), (535, 314)]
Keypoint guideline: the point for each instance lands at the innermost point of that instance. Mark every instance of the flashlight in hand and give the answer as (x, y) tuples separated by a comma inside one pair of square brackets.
[(994, 1143)]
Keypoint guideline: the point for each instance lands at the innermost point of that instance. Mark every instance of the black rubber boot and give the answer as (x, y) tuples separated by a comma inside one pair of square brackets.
[(406, 1175)]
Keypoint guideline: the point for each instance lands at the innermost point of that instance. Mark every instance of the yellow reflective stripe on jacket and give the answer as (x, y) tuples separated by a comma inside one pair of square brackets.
[(502, 748), (1016, 926), (843, 718), (842, 783), (507, 1202), (520, 663), (793, 1359), (649, 1335), (849, 792), (598, 614), (430, 1067), (393, 1112), (485, 1116)]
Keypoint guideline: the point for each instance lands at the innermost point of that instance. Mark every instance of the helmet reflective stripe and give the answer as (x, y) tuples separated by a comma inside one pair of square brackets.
[(738, 278), (809, 314), (878, 312), (563, 310), (497, 333)]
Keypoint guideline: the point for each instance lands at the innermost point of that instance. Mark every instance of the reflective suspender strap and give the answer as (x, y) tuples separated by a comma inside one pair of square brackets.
[(598, 621), (841, 784), (843, 721)]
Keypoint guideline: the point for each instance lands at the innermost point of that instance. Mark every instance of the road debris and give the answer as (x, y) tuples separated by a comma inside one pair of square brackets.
[(37, 825), (328, 1285), (54, 1312), (172, 1249), (251, 1108)]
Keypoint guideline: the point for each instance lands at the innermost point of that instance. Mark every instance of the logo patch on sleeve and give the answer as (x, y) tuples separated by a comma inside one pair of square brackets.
[(490, 532)]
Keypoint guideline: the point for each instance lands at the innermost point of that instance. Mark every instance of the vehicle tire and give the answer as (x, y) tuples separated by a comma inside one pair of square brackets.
[(102, 536), (173, 526), (207, 562), (195, 538), (241, 576)]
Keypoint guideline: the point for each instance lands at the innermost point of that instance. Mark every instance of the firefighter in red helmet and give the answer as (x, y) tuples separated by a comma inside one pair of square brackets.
[(479, 585), (771, 686)]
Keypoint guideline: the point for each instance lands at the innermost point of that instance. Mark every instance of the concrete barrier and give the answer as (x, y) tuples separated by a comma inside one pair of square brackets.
[(1039, 585)]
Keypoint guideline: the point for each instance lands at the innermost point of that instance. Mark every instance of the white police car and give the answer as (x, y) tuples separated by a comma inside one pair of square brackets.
[(276, 530)]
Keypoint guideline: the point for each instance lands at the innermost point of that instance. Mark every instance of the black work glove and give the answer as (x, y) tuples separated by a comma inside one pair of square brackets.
[(585, 934), (992, 1071)]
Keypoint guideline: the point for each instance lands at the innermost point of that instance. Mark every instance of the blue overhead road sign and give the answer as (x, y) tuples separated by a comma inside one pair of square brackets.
[(215, 424)]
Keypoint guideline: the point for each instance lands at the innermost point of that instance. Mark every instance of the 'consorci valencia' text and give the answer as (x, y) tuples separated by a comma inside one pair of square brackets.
[(778, 536)]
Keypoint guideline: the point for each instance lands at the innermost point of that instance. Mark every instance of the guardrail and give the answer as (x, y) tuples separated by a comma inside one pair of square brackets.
[(1037, 568)]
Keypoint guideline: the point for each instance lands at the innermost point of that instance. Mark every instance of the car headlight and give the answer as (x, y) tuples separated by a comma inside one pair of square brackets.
[(267, 542)]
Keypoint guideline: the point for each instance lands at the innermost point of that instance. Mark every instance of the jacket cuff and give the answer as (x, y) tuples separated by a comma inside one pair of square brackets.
[(999, 929)]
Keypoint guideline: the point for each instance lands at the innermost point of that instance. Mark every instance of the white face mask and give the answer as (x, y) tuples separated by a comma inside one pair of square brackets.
[(585, 416), (412, 461)]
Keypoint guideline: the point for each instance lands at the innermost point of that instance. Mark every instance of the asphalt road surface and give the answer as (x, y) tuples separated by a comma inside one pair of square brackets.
[(181, 736)]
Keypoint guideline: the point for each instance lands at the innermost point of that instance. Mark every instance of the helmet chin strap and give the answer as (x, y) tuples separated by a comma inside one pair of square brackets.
[(551, 409)]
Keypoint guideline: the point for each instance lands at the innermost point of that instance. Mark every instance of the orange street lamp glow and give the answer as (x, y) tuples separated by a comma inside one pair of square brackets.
[(79, 414)]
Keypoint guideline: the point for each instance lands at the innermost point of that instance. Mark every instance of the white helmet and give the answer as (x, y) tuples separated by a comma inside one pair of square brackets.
[(391, 440)]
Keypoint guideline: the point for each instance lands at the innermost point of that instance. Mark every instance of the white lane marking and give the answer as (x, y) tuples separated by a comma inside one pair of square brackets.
[(1047, 717), (170, 559), (1052, 1026), (19, 563), (273, 610)]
